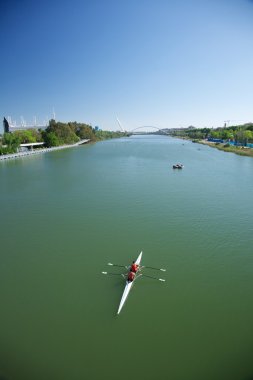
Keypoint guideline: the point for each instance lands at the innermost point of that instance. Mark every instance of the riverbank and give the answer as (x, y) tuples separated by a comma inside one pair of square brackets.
[(241, 150), (38, 151)]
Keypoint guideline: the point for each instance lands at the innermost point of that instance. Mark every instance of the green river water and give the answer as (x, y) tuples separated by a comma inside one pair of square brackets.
[(66, 214)]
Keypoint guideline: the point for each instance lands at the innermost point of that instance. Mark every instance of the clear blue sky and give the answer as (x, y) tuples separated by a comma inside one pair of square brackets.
[(161, 62)]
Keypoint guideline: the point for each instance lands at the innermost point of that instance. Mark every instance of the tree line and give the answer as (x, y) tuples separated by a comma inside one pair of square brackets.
[(56, 134), (241, 134)]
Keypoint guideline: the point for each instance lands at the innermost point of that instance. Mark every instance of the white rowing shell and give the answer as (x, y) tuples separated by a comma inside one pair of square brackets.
[(128, 287)]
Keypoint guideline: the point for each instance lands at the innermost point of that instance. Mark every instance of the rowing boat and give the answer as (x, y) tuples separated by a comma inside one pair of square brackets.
[(128, 286)]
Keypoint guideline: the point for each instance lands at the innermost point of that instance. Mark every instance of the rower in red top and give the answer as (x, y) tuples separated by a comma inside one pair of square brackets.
[(131, 276), (134, 267)]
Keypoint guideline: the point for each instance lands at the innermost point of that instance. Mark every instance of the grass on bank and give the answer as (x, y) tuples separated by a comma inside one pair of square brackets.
[(241, 150)]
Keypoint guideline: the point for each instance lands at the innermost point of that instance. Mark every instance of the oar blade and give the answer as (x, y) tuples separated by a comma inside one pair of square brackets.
[(116, 265), (154, 278), (161, 269)]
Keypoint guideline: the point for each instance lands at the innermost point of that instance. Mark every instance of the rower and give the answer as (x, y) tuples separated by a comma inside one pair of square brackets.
[(134, 267), (131, 276)]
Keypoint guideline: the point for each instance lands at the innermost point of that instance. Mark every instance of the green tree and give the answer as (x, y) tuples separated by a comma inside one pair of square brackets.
[(11, 139), (25, 137), (227, 134), (63, 132), (248, 136), (50, 139), (86, 132), (242, 136), (215, 134)]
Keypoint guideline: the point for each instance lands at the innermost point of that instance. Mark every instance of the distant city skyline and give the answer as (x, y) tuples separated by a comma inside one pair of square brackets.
[(162, 63)]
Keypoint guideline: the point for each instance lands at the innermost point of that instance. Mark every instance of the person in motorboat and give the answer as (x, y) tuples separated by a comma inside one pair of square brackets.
[(134, 267), (131, 276)]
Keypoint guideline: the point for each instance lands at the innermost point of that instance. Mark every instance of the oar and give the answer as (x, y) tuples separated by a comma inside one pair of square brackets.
[(117, 265), (116, 274), (154, 278), (163, 270)]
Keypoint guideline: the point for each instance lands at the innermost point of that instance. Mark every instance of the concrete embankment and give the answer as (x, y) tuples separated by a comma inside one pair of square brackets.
[(38, 151)]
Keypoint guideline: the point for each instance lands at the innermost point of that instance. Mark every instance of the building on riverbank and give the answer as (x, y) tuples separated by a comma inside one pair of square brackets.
[(9, 127)]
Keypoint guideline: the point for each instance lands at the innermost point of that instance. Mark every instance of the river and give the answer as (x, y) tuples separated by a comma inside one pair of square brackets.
[(66, 214)]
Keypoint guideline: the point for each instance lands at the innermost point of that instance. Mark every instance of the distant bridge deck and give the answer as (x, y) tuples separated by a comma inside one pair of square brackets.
[(149, 130)]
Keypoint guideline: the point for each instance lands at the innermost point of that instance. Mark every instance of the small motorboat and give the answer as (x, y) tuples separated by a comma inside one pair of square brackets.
[(178, 166)]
